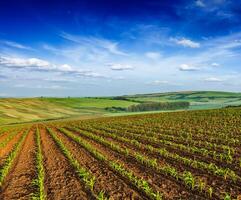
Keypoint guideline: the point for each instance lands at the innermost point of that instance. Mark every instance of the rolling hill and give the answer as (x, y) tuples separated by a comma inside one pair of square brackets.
[(17, 110)]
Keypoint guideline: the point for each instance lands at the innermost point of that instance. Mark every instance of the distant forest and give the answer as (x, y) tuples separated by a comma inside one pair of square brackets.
[(150, 106)]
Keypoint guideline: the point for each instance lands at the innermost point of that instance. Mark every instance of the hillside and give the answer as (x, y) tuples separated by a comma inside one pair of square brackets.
[(15, 110), (198, 99)]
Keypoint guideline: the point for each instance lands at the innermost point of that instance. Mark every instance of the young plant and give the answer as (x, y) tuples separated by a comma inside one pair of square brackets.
[(11, 157), (189, 179), (210, 192), (83, 173), (227, 197), (39, 181)]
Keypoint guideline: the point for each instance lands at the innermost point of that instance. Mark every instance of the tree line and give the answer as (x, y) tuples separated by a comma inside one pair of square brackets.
[(150, 106)]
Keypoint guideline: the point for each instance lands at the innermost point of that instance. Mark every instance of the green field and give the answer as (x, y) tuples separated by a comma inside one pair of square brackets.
[(17, 110)]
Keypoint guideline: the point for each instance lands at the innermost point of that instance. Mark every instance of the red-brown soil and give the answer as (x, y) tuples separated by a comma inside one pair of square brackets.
[(168, 187), (18, 184), (113, 185), (210, 179), (4, 152), (61, 181)]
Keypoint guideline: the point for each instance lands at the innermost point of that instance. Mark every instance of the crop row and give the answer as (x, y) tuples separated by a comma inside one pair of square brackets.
[(219, 128), (186, 178), (83, 173), (139, 183), (226, 173), (225, 154), (7, 139), (39, 181), (189, 149), (11, 157), (180, 137)]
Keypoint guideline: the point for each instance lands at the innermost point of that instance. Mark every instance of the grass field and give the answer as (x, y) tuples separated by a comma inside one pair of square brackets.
[(21, 110), (17, 110), (172, 155), (204, 99)]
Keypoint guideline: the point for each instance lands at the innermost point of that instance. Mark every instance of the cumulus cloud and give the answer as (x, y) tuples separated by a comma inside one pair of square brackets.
[(153, 55), (186, 67), (215, 64), (186, 42), (36, 64), (65, 67), (213, 79), (120, 67), (15, 62)]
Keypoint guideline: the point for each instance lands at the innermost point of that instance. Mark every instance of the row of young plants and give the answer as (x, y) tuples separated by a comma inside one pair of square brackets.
[(227, 154), (220, 129), (6, 130), (214, 136), (8, 138), (39, 180), (4, 170), (186, 178), (225, 173), (184, 138), (141, 184), (219, 157), (83, 173), (3, 131), (188, 140)]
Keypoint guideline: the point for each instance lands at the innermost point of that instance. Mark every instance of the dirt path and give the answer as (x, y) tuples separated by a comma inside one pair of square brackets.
[(61, 181), (18, 184), (167, 186), (7, 149), (106, 179)]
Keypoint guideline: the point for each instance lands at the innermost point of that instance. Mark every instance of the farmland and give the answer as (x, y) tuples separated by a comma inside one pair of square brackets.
[(17, 110), (173, 155)]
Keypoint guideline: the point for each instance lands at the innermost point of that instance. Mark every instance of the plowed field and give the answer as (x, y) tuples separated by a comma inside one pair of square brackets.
[(182, 155)]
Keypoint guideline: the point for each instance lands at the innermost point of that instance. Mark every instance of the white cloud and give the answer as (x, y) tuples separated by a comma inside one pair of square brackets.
[(213, 79), (185, 42), (186, 67), (215, 64), (36, 64), (53, 87), (200, 3), (66, 67), (93, 75), (120, 67), (158, 82), (153, 55), (15, 45), (16, 62), (95, 43)]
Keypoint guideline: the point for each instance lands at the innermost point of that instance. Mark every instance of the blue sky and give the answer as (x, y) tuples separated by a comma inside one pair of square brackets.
[(104, 47)]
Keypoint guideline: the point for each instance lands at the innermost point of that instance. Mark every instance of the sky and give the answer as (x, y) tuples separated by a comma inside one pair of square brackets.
[(115, 47)]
